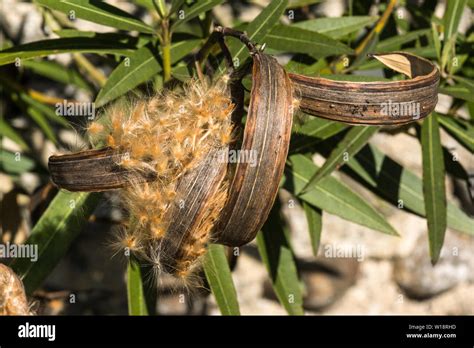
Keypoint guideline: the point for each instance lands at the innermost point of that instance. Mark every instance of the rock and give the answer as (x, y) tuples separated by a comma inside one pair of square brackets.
[(420, 280), (326, 280)]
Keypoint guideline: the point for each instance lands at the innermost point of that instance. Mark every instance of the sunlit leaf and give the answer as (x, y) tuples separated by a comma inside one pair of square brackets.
[(278, 258), (332, 196), (53, 234), (433, 185), (98, 12), (220, 280)]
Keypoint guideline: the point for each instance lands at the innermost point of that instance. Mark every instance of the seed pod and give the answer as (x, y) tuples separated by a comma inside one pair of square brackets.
[(199, 199), (253, 189), (377, 103), (92, 170)]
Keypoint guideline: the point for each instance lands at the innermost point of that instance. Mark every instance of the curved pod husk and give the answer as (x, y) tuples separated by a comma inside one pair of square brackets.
[(92, 170), (253, 189), (195, 197), (373, 103)]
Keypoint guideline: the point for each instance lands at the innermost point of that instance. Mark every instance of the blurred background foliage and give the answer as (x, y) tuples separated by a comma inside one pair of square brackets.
[(94, 51)]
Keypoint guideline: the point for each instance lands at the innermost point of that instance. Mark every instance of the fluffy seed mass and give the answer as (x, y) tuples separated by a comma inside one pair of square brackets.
[(168, 134)]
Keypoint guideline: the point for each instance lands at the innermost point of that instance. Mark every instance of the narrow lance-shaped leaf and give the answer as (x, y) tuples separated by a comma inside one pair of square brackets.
[(135, 294), (8, 131), (451, 19), (57, 72), (313, 132), (458, 91), (139, 68), (15, 163), (461, 130), (336, 27), (433, 185), (68, 45), (293, 39), (186, 14), (258, 28), (436, 40), (57, 228), (314, 217), (220, 280), (352, 142), (37, 116), (398, 185), (332, 196), (98, 12), (278, 258)]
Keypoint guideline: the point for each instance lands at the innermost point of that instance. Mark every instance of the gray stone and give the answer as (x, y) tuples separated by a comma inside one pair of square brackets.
[(419, 279)]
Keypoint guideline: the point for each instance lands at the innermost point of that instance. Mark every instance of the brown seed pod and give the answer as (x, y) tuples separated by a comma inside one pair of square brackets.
[(92, 170), (200, 197), (376, 103), (226, 203), (253, 189)]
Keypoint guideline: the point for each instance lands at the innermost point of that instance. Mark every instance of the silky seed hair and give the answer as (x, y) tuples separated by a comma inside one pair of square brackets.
[(13, 300), (168, 134)]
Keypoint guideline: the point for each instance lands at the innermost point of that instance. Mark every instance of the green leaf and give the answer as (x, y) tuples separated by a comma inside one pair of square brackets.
[(37, 116), (457, 91), (452, 17), (451, 20), (57, 228), (15, 163), (57, 72), (336, 27), (314, 217), (135, 295), (461, 130), (278, 258), (332, 196), (395, 42), (220, 280), (43, 109), (434, 189), (301, 3), (199, 7), (258, 28), (352, 142), (148, 4), (98, 12), (67, 45), (313, 132), (468, 83), (399, 186), (8, 131), (139, 68), (293, 39), (436, 40)]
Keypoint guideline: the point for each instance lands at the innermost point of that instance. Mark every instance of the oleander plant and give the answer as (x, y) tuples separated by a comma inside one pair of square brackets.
[(167, 86)]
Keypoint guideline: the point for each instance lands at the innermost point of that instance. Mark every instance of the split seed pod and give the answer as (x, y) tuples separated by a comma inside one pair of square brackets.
[(93, 170), (370, 102), (253, 189)]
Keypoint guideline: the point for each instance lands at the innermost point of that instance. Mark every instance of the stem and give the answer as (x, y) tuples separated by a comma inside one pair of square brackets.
[(378, 27), (166, 50)]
